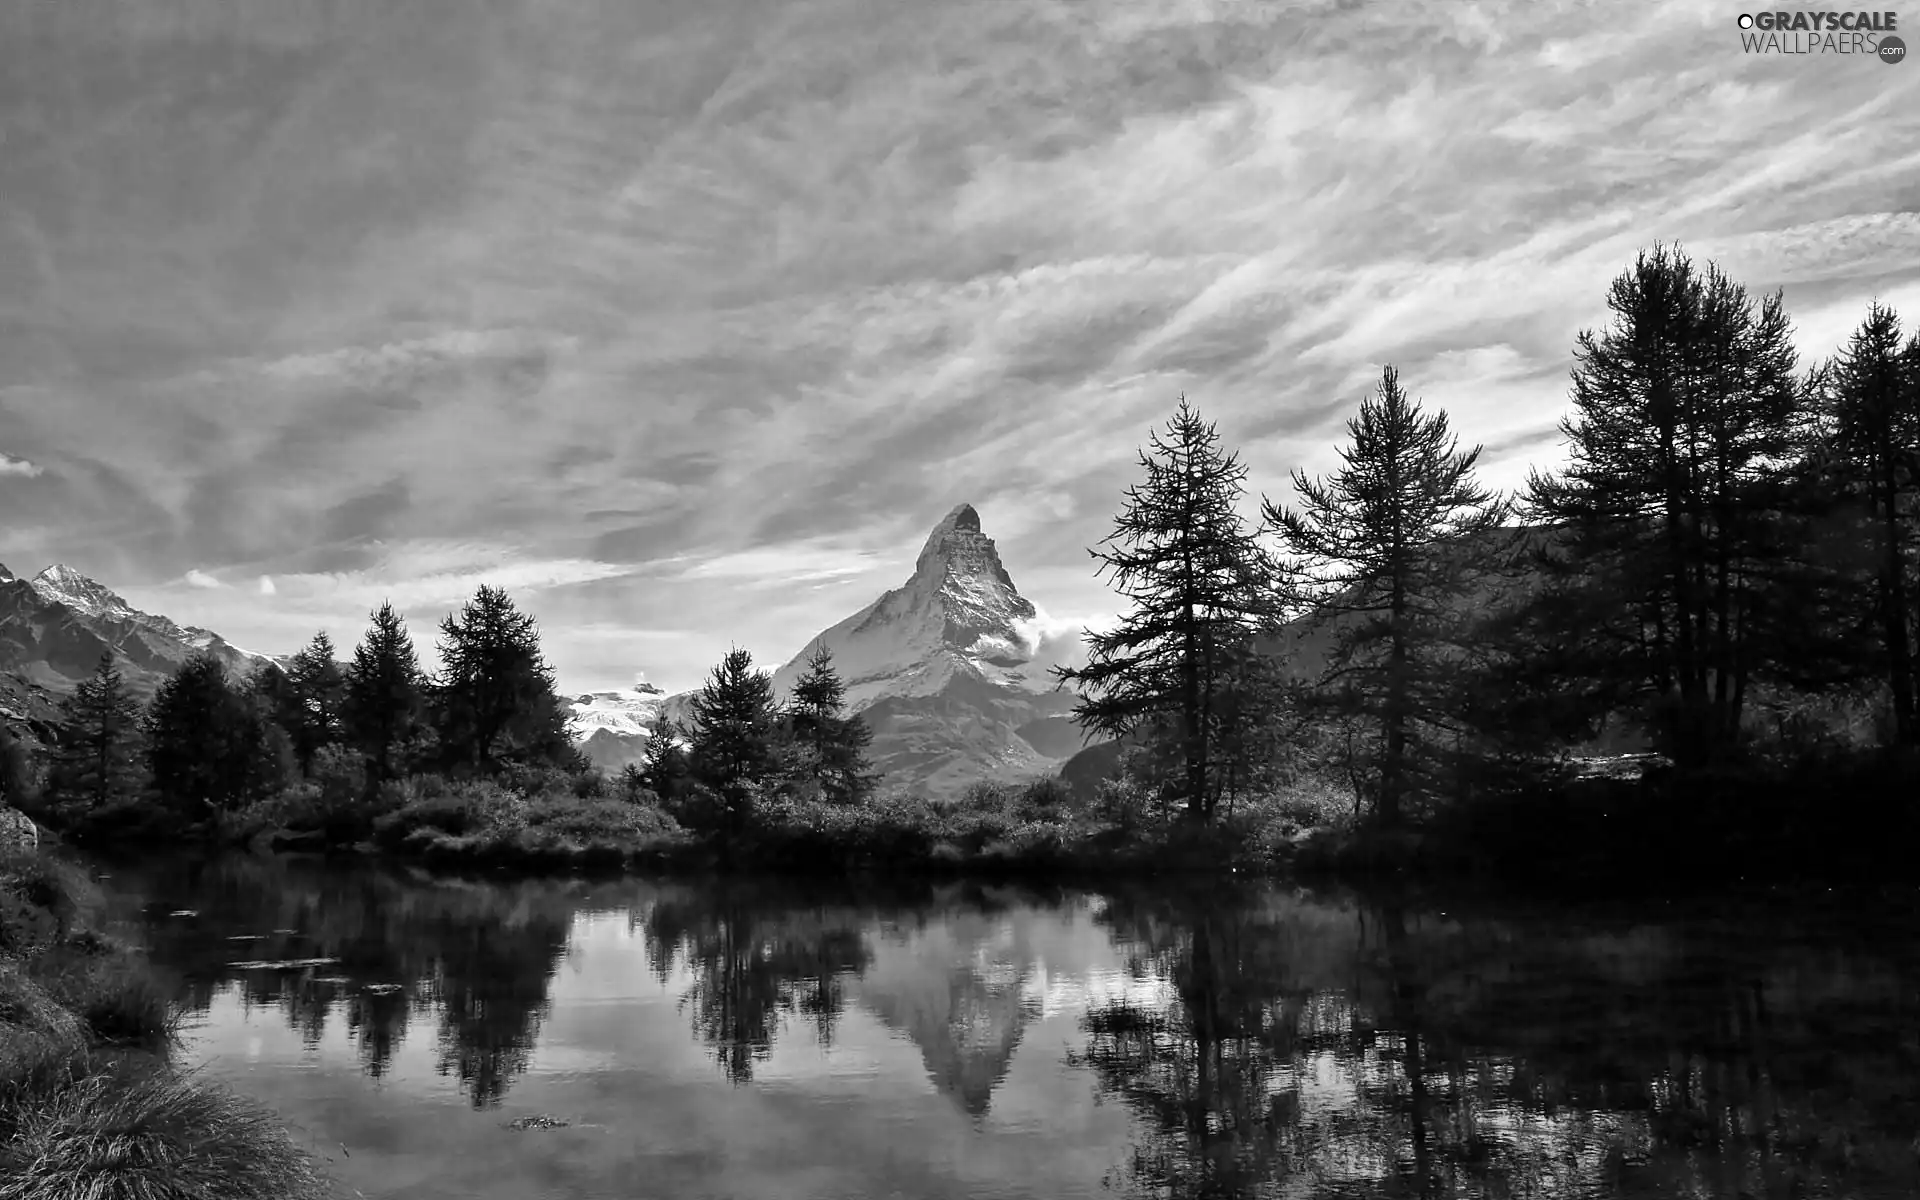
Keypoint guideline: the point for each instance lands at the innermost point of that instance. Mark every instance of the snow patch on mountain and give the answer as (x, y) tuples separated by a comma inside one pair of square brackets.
[(629, 713), (62, 584)]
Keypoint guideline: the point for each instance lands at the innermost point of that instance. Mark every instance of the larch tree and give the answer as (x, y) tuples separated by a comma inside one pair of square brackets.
[(1383, 553), (1192, 573)]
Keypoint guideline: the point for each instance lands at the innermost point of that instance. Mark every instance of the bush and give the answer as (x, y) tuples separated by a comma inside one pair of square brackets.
[(115, 995)]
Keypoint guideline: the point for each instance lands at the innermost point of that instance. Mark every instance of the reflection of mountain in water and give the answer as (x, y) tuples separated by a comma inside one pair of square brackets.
[(959, 991)]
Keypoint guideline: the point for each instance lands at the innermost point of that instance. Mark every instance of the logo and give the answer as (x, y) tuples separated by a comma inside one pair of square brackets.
[(1864, 33)]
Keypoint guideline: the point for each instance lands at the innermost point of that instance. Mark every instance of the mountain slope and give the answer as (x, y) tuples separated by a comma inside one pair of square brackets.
[(950, 670), (55, 626)]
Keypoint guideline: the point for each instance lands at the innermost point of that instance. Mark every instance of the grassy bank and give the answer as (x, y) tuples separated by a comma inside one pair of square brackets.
[(1823, 816), (90, 1104)]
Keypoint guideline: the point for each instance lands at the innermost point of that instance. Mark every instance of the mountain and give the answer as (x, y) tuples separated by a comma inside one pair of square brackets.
[(55, 626), (950, 670), (612, 727)]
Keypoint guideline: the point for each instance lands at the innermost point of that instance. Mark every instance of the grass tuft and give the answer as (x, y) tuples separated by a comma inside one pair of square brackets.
[(135, 1131)]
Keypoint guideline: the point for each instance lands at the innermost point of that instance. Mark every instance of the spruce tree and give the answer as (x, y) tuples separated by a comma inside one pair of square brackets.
[(496, 695), (734, 729), (98, 761), (383, 706), (1872, 428), (830, 745), (1194, 577), (1672, 532), (1383, 551)]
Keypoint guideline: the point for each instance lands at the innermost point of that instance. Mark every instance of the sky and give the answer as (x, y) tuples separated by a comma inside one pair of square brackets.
[(685, 321)]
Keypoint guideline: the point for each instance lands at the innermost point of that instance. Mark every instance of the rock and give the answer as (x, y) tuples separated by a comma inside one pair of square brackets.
[(541, 1121), (18, 830)]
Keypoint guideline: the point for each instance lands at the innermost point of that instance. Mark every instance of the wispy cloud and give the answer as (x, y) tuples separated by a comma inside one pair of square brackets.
[(200, 579), (266, 586), (645, 311)]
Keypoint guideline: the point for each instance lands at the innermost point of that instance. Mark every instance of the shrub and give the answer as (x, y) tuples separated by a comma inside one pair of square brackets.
[(115, 996)]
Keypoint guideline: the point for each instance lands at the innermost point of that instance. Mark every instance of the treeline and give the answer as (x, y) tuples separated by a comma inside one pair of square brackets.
[(1733, 541), (344, 751)]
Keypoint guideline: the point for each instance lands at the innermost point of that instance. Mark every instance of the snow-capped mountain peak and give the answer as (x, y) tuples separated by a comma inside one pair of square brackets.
[(958, 615), (631, 712), (64, 585)]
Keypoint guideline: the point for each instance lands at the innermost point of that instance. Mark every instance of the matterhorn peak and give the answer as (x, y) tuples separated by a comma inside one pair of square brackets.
[(957, 551)]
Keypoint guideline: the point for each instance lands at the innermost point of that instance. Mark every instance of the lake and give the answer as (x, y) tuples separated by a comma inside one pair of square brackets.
[(762, 1039)]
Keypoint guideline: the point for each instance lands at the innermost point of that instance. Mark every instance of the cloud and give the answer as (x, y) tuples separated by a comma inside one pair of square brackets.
[(9, 465), (266, 585), (200, 579), (677, 310)]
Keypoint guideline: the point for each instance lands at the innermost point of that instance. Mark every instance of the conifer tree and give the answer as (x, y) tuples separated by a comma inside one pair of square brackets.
[(1382, 552), (205, 740), (1194, 576), (830, 745), (496, 695), (1673, 530), (98, 761), (1872, 428), (663, 764), (383, 708), (314, 690), (16, 770), (734, 730)]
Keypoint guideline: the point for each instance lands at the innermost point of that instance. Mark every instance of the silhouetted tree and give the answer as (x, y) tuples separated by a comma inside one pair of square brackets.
[(1872, 426), (663, 765), (1193, 574), (312, 697), (16, 770), (496, 692), (1384, 550), (831, 746), (383, 708), (1683, 430), (205, 740), (98, 759), (734, 732)]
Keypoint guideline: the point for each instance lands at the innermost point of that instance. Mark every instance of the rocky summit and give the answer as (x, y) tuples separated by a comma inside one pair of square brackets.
[(951, 670), (55, 626)]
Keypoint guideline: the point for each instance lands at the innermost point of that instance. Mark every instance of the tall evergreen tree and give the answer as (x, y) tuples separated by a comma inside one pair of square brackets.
[(1194, 576), (16, 770), (734, 729), (314, 693), (1685, 421), (1383, 552), (1872, 427), (831, 745), (204, 740), (98, 760), (496, 692), (383, 707)]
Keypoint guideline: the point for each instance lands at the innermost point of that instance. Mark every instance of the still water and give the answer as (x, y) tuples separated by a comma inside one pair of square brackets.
[(747, 1040)]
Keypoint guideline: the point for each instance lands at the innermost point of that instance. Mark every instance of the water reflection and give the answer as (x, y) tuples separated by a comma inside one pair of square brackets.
[(1261, 1043)]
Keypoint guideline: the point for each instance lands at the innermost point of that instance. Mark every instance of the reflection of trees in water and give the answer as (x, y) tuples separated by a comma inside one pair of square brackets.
[(476, 956), (1329, 1051), (754, 956)]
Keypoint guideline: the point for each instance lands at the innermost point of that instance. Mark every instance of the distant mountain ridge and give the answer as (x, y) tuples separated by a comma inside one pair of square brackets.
[(55, 626)]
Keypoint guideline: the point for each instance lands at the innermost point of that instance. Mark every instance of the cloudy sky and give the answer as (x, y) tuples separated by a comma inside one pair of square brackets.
[(685, 320)]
